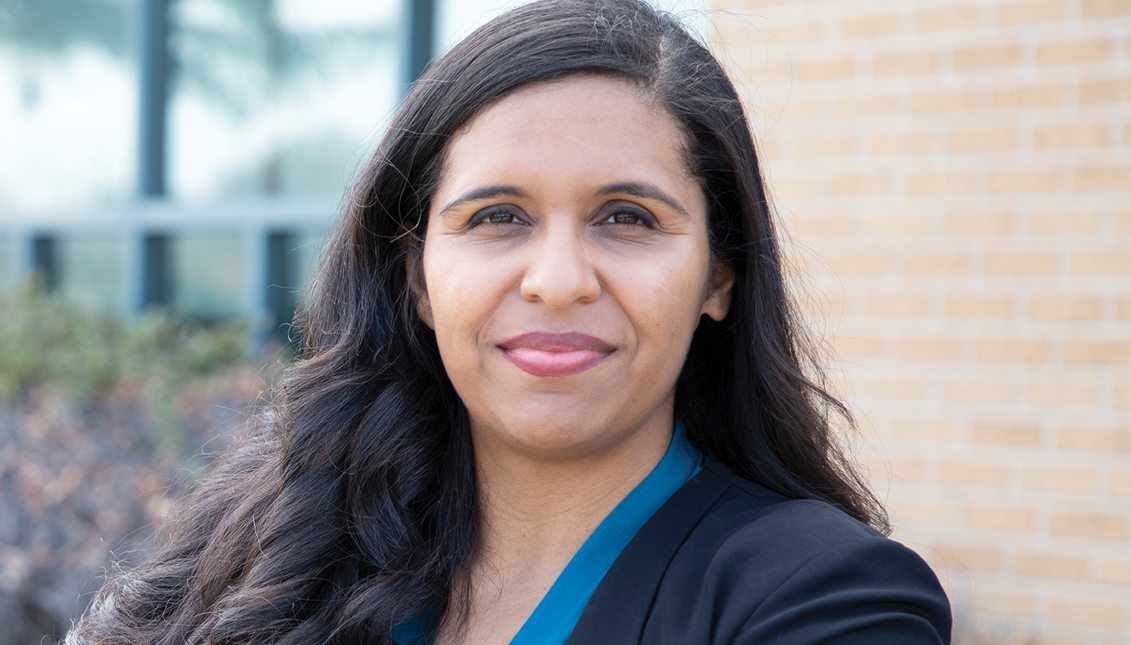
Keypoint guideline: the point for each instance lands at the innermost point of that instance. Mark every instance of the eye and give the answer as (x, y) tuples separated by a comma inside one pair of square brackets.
[(497, 215), (628, 216)]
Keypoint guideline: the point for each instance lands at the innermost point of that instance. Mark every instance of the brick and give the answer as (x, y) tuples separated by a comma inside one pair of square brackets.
[(979, 391), (858, 347), (896, 225), (1024, 13), (1105, 8), (820, 307), (1070, 136), (1120, 484), (1016, 98), (798, 110), (1127, 128), (860, 264), (1116, 572), (961, 101), (1048, 565), (908, 470), (797, 187), (1059, 480), (825, 70), (1123, 308), (979, 307), (1123, 396), (1065, 308), (965, 223), (937, 183), (906, 63), (923, 430), (1023, 436), (986, 57), (776, 74), (799, 33), (1009, 604), (823, 147), (1103, 178), (926, 512), (1125, 219), (943, 349), (1101, 264), (866, 106), (1100, 439), (1023, 181), (1073, 53), (1013, 351), (1105, 92), (1097, 526), (898, 306), (1097, 352), (901, 144), (937, 264), (870, 26), (824, 225), (898, 388), (970, 557), (1001, 518), (1020, 264), (859, 185), (956, 473), (945, 19), (1059, 393), (1060, 223), (1086, 612), (983, 140)]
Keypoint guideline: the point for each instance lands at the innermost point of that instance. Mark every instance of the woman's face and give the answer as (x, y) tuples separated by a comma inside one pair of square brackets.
[(566, 266)]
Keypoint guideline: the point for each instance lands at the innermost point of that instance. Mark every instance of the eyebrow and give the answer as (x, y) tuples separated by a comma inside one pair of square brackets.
[(644, 191), (486, 192), (636, 189)]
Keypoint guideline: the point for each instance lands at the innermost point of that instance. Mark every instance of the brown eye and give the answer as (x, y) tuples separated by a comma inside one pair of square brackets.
[(629, 217), (496, 215)]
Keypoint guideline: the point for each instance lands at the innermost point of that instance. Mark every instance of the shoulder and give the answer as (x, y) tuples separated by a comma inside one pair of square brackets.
[(771, 569)]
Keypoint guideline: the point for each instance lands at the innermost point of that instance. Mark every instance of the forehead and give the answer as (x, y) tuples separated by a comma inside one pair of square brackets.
[(589, 122)]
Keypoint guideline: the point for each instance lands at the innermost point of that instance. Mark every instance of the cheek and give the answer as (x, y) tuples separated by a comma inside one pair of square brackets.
[(463, 292), (665, 298)]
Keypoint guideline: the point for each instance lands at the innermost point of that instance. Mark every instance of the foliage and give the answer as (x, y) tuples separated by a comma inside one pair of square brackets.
[(103, 421), (45, 340)]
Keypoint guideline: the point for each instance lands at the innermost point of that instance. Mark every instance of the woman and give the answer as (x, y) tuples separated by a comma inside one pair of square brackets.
[(553, 389)]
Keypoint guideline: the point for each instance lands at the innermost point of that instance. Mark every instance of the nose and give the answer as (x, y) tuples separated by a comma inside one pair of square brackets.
[(560, 273)]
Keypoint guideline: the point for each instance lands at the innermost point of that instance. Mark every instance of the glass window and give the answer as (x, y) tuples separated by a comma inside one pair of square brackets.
[(277, 97), (208, 275), (90, 271), (68, 102), (7, 262)]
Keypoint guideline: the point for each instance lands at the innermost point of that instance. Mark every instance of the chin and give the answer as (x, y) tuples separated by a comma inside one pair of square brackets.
[(554, 436)]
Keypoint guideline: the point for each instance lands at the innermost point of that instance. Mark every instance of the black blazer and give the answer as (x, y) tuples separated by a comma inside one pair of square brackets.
[(728, 561)]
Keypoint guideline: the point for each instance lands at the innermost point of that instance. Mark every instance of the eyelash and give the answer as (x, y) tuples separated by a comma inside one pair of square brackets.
[(642, 217), (486, 215)]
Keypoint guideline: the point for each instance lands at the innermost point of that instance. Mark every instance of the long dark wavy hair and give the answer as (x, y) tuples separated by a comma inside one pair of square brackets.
[(355, 508)]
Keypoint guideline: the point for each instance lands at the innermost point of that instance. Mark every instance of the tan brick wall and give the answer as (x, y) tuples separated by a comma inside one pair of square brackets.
[(956, 179)]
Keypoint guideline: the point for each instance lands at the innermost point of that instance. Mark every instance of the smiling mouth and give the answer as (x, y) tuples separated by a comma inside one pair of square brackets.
[(545, 354)]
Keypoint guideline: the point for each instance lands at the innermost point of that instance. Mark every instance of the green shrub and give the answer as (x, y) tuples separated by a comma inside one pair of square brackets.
[(47, 341)]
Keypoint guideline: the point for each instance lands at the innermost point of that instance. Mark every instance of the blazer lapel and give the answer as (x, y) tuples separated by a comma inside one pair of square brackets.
[(622, 601)]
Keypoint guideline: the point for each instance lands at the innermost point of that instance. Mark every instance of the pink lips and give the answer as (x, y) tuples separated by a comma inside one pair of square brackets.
[(545, 354)]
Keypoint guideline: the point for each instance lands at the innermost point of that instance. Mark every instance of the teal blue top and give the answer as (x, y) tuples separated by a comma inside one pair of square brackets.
[(556, 615)]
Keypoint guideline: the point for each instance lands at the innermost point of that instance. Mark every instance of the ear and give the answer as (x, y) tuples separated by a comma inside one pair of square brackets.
[(414, 273), (717, 303)]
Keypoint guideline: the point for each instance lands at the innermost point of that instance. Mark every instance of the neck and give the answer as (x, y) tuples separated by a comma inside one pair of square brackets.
[(537, 513)]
